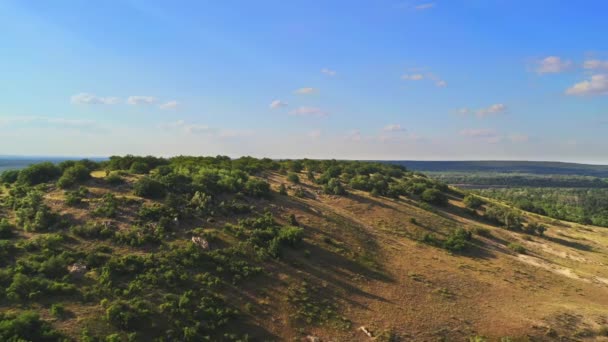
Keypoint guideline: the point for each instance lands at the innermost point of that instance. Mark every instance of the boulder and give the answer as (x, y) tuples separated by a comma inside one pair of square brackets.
[(199, 241)]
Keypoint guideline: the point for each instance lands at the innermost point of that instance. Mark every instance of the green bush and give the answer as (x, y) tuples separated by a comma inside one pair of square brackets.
[(74, 175), (39, 173), (517, 248), (149, 188), (293, 177), (9, 176), (434, 196), (114, 179), (58, 311), (257, 188), (6, 229), (107, 206), (128, 315), (472, 201), (26, 326), (334, 187), (139, 168), (458, 240)]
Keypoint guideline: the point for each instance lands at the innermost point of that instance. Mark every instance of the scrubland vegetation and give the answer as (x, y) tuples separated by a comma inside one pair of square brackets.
[(210, 248)]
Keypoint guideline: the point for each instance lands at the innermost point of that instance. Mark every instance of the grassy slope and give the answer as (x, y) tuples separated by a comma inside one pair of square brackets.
[(361, 253)]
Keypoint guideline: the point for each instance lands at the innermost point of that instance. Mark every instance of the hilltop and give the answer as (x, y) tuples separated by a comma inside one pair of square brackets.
[(194, 248)]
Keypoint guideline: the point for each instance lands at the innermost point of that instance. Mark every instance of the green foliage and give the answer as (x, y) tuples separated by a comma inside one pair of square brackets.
[(535, 228), (107, 206), (74, 198), (581, 205), (283, 190), (58, 311), (74, 175), (39, 173), (504, 216), (9, 176), (128, 315), (517, 248), (334, 187), (139, 167), (434, 196), (257, 188), (33, 215), (6, 229), (114, 179), (26, 326), (473, 202), (149, 188), (293, 177), (458, 240)]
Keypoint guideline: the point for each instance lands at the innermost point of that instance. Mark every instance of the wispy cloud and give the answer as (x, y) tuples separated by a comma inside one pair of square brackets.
[(596, 85), (354, 135), (413, 77), (329, 72), (49, 122), (90, 99), (494, 109), (425, 6), (309, 111), (169, 105), (595, 64), (393, 128), (141, 100), (192, 128), (552, 65), (306, 91), (277, 104)]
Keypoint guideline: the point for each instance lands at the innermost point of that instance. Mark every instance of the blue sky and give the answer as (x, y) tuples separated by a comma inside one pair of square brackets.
[(375, 79)]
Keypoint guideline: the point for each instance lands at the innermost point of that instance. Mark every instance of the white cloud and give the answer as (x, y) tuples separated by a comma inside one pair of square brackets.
[(277, 104), (595, 64), (141, 100), (393, 128), (329, 72), (552, 65), (169, 105), (306, 91), (414, 77), (49, 122), (596, 85), (308, 111), (86, 98), (441, 84), (426, 6), (494, 109)]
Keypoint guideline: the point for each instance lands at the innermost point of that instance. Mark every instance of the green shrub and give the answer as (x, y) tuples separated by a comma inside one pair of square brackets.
[(39, 173), (293, 177), (107, 206), (149, 188), (58, 311), (128, 315), (74, 175), (139, 168), (517, 248), (26, 326), (6, 229), (434, 196), (114, 179), (257, 188), (334, 187), (472, 201), (458, 240), (283, 190), (481, 231), (9, 176)]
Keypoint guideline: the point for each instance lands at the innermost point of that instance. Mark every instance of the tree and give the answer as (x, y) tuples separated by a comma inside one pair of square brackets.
[(74, 175), (472, 201), (139, 167), (293, 177), (38, 173), (149, 188), (434, 196)]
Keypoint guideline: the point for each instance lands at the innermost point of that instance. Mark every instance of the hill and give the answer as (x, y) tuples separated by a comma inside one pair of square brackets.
[(531, 167), (192, 248)]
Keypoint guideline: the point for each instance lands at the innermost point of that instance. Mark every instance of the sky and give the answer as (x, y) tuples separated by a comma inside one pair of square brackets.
[(358, 79)]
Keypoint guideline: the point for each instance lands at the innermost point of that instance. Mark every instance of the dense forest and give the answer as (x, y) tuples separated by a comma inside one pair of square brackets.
[(587, 206), (492, 179)]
